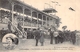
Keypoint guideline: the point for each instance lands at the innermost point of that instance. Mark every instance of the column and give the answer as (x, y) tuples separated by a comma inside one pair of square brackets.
[(37, 20), (12, 12), (23, 19), (46, 21), (49, 21), (42, 20), (31, 19)]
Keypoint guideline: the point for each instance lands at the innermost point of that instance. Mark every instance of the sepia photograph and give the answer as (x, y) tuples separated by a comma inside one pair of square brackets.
[(52, 25)]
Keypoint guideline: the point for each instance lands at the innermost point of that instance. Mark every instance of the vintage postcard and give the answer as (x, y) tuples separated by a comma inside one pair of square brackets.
[(39, 25)]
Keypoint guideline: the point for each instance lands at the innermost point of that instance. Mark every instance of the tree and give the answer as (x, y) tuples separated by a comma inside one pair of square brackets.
[(64, 28)]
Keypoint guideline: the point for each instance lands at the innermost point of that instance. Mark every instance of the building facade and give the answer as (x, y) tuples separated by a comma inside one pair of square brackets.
[(29, 17)]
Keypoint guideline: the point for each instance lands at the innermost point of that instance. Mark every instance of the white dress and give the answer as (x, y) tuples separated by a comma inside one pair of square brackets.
[(78, 38)]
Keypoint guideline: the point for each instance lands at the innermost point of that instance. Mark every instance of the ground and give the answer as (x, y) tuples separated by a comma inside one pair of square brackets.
[(29, 44)]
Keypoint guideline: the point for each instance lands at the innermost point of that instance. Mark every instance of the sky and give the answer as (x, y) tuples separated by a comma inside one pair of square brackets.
[(68, 17)]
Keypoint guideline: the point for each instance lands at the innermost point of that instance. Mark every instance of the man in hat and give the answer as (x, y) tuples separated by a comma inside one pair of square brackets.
[(51, 36), (56, 37), (37, 36)]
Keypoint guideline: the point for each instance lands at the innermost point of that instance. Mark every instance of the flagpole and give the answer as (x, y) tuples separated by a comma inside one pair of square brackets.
[(49, 5), (56, 3)]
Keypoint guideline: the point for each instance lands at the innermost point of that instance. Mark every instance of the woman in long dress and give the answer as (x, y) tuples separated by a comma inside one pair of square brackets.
[(42, 38)]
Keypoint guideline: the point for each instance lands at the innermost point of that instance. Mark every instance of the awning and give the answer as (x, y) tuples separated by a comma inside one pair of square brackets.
[(29, 27)]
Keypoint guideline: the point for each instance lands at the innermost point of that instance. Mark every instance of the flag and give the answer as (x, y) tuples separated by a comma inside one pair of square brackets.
[(71, 9), (56, 3), (53, 1)]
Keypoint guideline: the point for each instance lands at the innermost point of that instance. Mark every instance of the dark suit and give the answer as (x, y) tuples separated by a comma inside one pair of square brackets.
[(51, 36), (61, 37), (37, 36)]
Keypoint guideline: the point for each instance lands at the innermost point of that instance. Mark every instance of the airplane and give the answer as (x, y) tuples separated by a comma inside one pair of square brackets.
[(71, 9)]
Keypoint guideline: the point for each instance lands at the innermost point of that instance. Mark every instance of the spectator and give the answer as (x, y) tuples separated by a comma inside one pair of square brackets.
[(78, 38), (42, 38), (24, 34), (51, 36), (56, 37), (37, 36), (61, 37), (73, 37)]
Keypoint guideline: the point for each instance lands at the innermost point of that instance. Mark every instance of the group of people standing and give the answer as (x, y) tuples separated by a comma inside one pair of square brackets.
[(56, 36), (39, 36), (63, 36)]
